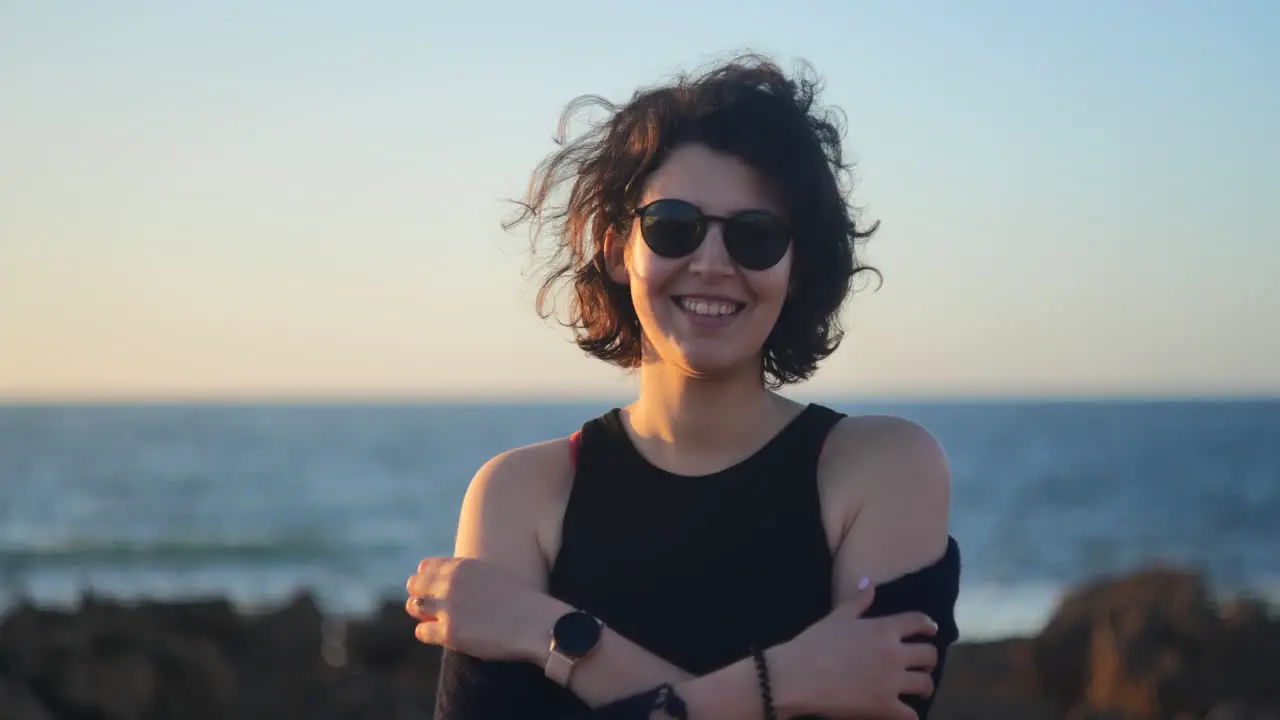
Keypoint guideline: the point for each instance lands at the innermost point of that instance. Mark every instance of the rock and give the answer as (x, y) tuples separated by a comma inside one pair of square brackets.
[(1088, 712), (27, 637), (1152, 644), (199, 681), (1148, 663), (384, 640), (1000, 668), (108, 662), (106, 676), (18, 702), (1251, 641), (358, 695), (281, 669), (1144, 646), (384, 644), (975, 706), (1243, 711)]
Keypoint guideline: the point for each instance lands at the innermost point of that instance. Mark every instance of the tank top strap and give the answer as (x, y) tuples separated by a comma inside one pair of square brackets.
[(788, 470), (593, 451), (594, 442), (803, 440)]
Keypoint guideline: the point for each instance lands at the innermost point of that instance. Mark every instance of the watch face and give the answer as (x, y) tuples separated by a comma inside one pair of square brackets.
[(576, 633)]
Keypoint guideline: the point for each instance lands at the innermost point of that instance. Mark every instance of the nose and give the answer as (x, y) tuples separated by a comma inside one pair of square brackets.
[(712, 257)]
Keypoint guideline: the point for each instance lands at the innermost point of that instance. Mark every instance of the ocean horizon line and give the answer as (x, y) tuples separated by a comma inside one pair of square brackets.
[(339, 399)]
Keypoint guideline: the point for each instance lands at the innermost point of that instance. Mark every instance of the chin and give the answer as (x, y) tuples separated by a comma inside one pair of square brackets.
[(711, 365)]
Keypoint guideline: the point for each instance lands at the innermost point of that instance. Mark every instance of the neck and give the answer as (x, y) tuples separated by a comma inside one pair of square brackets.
[(701, 414)]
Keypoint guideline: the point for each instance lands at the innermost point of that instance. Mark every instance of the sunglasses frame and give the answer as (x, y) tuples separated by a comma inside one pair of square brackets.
[(704, 221)]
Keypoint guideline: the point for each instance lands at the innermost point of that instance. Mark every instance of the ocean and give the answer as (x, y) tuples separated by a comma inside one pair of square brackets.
[(257, 501)]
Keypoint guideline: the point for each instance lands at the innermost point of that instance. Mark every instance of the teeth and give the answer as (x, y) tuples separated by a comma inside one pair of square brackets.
[(710, 308)]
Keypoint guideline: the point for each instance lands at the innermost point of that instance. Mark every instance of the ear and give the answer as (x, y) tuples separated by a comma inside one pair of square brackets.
[(615, 257)]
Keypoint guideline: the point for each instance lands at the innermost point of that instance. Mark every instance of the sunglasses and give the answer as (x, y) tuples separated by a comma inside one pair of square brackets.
[(754, 239)]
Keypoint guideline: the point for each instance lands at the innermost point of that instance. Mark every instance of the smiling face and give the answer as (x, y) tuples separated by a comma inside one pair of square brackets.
[(703, 313)]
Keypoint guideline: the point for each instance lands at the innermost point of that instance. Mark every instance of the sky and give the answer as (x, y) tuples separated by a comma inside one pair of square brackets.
[(287, 199)]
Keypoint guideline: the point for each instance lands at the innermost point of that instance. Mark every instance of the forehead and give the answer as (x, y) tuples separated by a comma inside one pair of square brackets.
[(717, 182)]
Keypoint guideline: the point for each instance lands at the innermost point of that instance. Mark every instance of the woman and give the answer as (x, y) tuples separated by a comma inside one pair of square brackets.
[(712, 550)]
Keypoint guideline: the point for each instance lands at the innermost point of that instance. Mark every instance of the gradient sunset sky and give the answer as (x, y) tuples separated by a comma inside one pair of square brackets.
[(285, 198)]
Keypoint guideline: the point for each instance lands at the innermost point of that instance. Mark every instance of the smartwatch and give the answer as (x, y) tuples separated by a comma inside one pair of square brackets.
[(575, 635)]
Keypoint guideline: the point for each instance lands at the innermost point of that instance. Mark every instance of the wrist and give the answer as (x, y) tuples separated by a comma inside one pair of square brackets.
[(534, 644), (786, 679), (734, 691)]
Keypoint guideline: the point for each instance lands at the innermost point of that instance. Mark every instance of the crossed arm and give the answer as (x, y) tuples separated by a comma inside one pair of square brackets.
[(905, 532), (625, 679)]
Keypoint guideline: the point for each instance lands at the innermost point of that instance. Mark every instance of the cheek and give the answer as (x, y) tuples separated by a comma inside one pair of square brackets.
[(647, 271), (771, 285), (646, 275)]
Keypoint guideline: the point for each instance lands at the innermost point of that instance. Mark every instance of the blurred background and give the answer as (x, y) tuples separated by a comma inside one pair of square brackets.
[(259, 323)]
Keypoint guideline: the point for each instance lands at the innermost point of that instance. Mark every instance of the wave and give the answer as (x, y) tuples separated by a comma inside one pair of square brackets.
[(291, 548)]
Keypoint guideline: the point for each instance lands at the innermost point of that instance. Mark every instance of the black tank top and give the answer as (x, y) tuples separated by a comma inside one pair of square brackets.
[(695, 569), (698, 569)]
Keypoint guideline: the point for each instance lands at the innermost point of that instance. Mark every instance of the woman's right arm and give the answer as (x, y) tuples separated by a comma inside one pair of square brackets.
[(501, 672), (508, 500), (620, 681), (474, 689)]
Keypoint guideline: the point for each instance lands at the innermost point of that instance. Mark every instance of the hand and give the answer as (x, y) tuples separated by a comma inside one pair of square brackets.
[(477, 608), (849, 666)]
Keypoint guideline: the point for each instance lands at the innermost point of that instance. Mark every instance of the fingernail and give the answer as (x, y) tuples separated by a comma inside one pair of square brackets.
[(417, 632), (864, 583)]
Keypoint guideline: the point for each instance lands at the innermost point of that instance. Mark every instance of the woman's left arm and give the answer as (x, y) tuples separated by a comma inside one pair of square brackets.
[(893, 478)]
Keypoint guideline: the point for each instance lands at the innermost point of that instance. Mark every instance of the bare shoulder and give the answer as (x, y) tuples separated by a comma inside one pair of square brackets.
[(886, 455), (521, 475), (887, 482), (511, 502)]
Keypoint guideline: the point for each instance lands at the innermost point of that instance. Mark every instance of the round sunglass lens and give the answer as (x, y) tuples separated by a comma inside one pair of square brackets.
[(757, 241), (671, 228)]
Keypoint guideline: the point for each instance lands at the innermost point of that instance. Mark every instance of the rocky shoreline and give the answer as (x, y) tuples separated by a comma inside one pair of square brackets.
[(1149, 645)]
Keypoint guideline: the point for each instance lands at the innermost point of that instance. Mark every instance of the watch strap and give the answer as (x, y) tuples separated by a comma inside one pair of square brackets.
[(559, 666)]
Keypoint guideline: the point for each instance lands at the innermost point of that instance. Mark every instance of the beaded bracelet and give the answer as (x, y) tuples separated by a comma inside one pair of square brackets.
[(766, 692), (670, 703)]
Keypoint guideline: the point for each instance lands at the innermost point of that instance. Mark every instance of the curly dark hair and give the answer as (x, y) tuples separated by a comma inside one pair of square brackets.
[(747, 108)]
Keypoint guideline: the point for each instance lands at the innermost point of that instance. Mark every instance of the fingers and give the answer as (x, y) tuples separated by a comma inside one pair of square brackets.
[(901, 712), (914, 624), (433, 564), (420, 584), (430, 629), (920, 656), (917, 683), (432, 574), (861, 601), (422, 608), (430, 633), (425, 588)]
